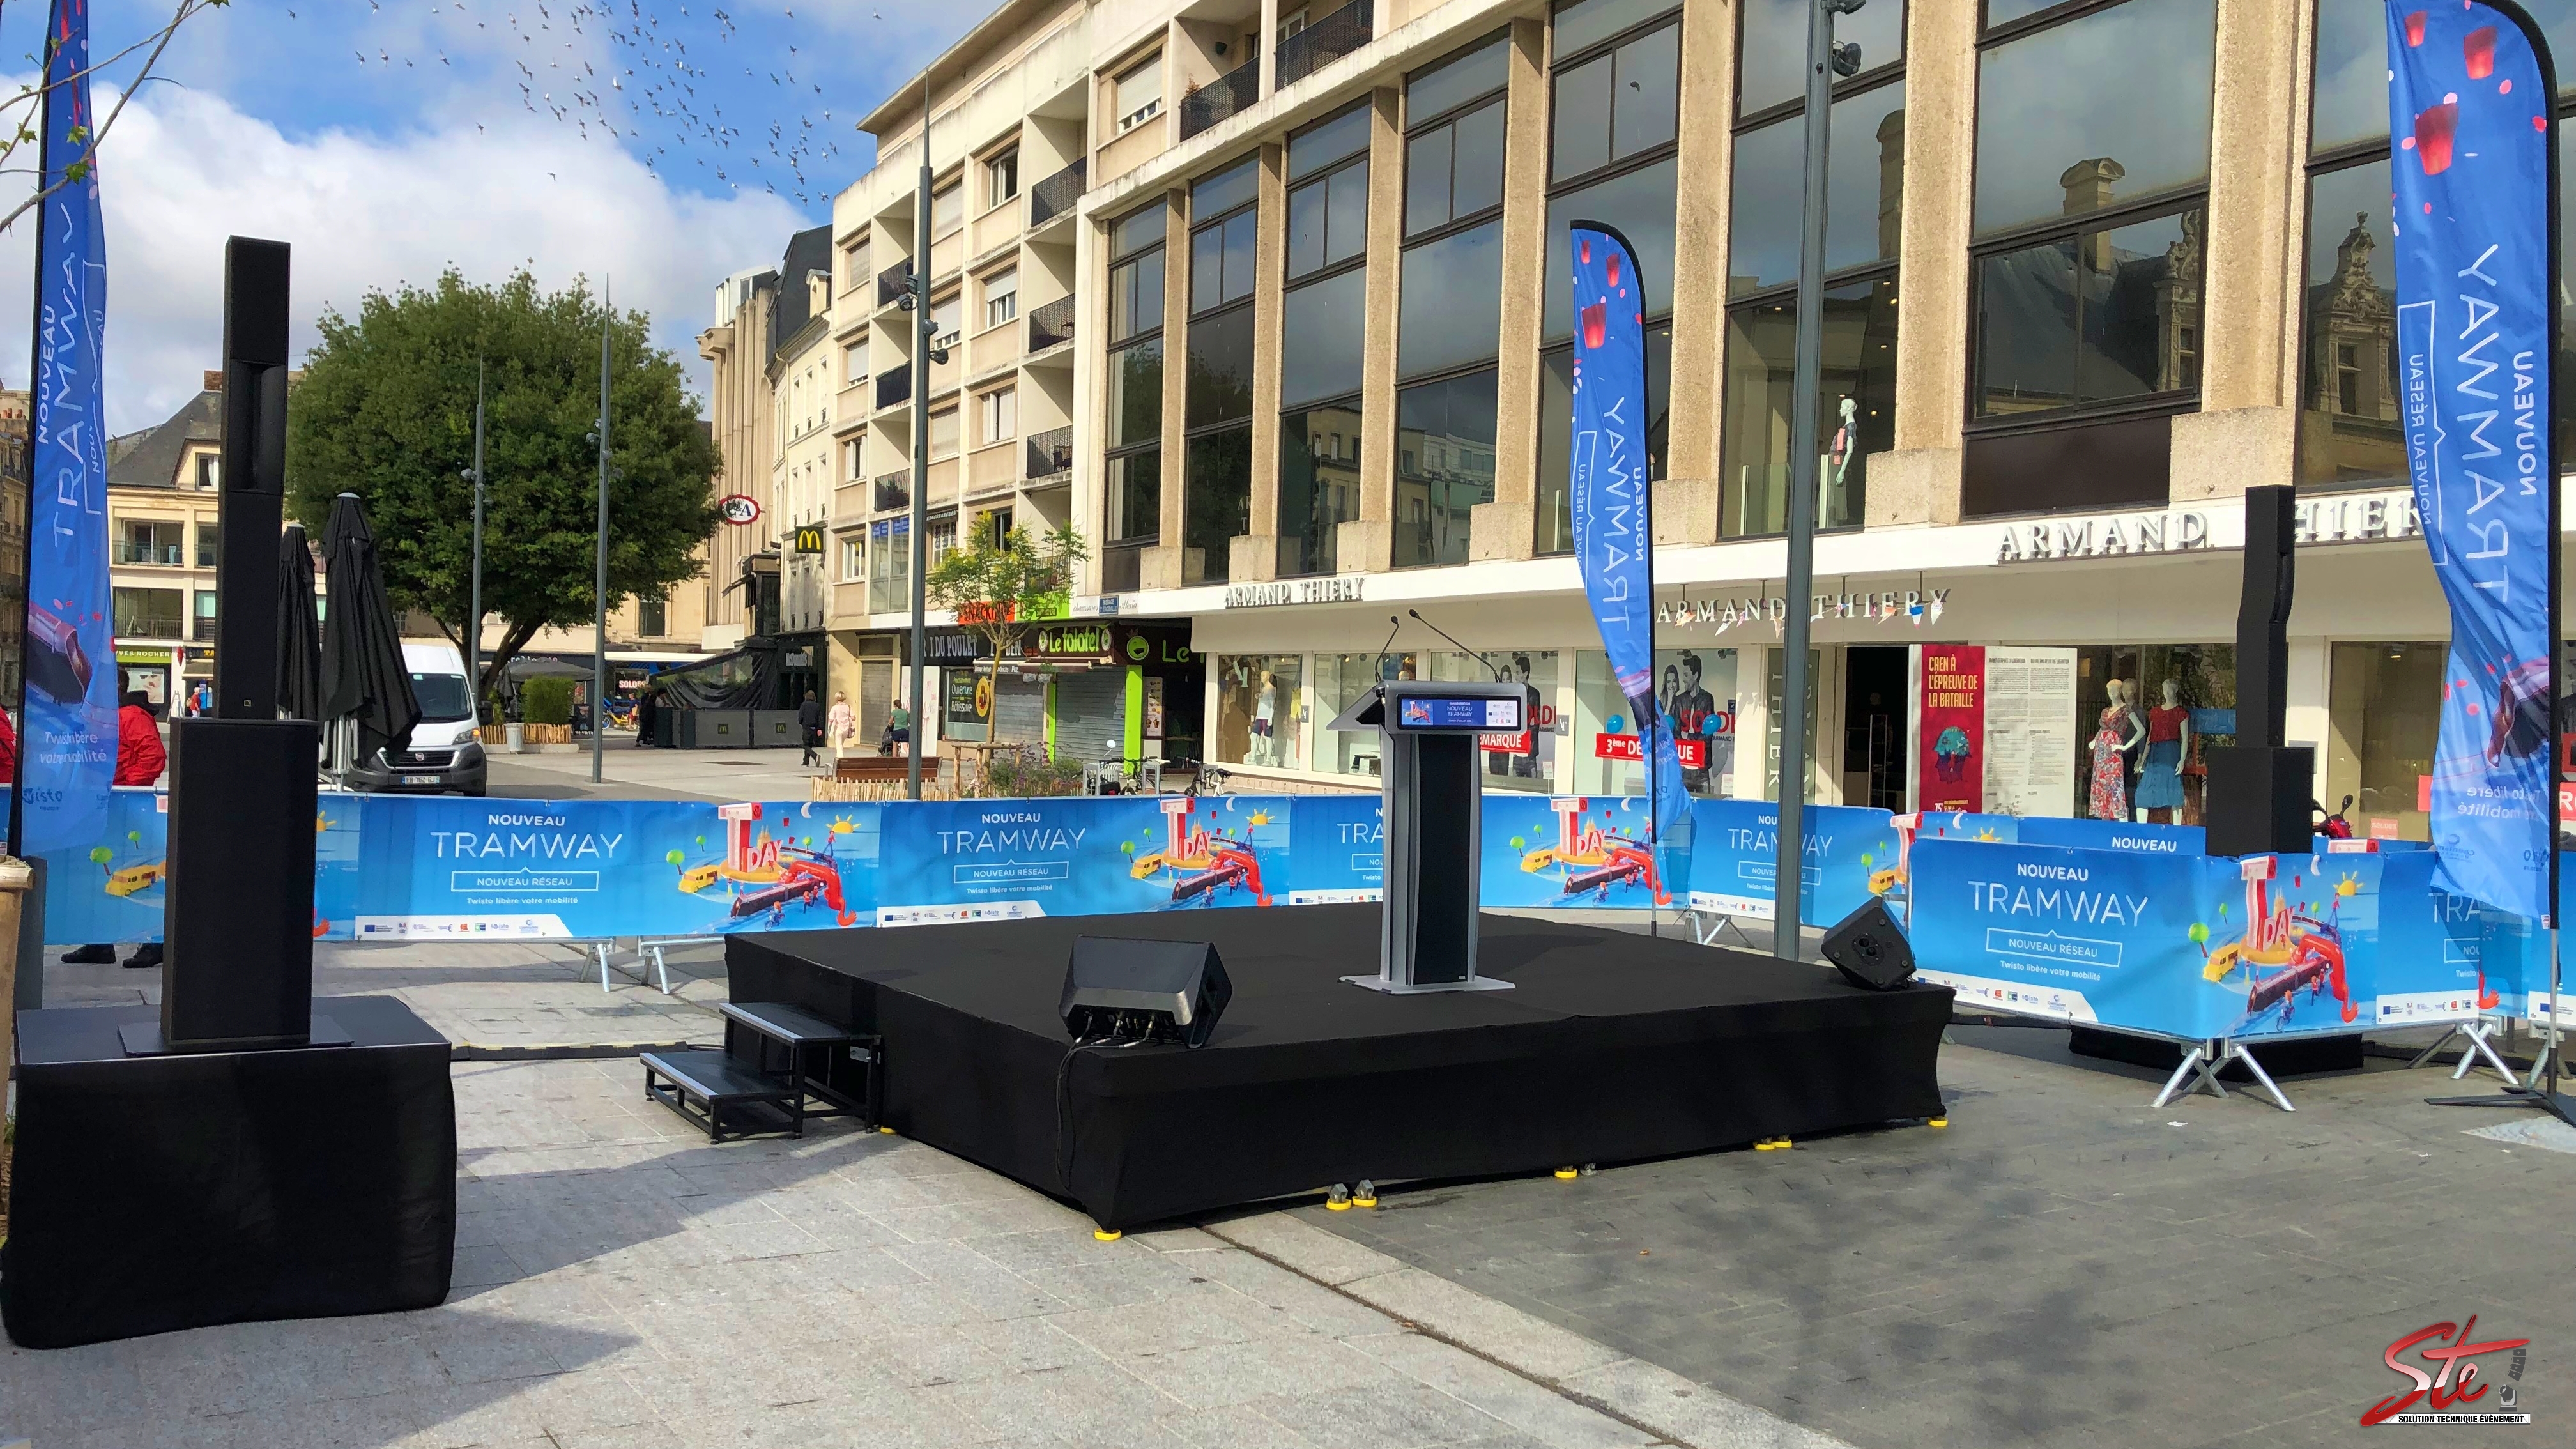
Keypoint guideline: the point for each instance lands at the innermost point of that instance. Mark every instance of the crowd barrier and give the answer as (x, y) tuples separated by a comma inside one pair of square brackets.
[(2129, 926)]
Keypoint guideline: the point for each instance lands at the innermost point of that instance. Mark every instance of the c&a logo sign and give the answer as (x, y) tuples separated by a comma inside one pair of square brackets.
[(2444, 1397)]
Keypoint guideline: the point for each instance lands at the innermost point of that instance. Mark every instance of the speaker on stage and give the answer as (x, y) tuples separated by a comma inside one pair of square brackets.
[(1870, 949), (238, 972), (2258, 789), (1121, 991)]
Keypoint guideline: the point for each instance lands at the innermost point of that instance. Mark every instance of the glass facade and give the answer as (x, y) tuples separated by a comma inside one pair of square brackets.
[(1864, 192), (1216, 502), (1695, 689), (2384, 711), (1855, 407), (1319, 485), (1260, 710), (2098, 317), (2104, 109), (1134, 462), (1555, 422), (1444, 466)]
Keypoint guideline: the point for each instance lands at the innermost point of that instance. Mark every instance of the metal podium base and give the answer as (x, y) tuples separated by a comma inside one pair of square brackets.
[(1376, 982)]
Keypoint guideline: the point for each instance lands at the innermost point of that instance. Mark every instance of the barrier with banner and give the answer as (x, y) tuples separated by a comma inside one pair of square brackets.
[(1850, 855), (1339, 845), (971, 860), (1570, 851)]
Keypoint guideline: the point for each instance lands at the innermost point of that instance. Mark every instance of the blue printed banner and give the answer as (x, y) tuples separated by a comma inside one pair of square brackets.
[(2442, 957), (1851, 853), (1338, 844), (2470, 113), (1607, 494), (971, 860), (1571, 851), (68, 748), (2113, 835)]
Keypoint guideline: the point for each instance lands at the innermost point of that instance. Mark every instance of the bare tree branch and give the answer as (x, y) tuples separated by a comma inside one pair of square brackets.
[(83, 167)]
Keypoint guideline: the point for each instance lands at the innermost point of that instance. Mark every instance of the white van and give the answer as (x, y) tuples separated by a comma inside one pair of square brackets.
[(446, 750)]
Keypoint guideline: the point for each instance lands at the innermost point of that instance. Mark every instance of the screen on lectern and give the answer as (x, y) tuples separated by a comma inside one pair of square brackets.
[(1455, 712)]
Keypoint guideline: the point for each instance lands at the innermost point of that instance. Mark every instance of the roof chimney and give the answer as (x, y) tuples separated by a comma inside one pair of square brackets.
[(214, 379)]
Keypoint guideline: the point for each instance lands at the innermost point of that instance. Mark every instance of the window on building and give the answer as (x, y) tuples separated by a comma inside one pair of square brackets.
[(1139, 91), (1002, 178), (653, 617), (947, 210), (164, 544), (853, 460), (148, 613), (1216, 457), (1321, 355), (853, 560), (943, 435), (2092, 172), (1771, 50), (854, 363), (1616, 112), (209, 471), (1864, 203), (940, 541), (203, 629), (1617, 96), (854, 267), (1319, 484), (1328, 193), (946, 314), (889, 564), (209, 544), (993, 525), (997, 415), (1134, 492), (1444, 451), (1001, 297)]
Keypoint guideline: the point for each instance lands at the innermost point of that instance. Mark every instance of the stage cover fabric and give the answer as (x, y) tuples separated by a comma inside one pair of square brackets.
[(160, 1193), (1613, 1047)]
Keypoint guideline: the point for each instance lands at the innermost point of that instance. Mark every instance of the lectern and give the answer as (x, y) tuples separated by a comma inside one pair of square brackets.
[(1434, 823)]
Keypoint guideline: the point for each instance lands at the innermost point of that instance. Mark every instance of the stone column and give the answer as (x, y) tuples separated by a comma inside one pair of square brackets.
[(1159, 567), (1508, 526), (2247, 428), (1367, 545), (1255, 554), (1917, 481), (1686, 502)]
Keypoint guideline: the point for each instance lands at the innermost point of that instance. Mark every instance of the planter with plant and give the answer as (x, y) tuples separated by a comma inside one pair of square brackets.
[(547, 705)]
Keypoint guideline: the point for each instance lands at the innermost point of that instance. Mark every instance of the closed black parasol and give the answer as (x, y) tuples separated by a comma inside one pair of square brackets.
[(364, 681), (299, 633)]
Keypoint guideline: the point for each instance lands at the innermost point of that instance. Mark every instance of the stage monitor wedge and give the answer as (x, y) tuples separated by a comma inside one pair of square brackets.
[(1118, 990), (1869, 948)]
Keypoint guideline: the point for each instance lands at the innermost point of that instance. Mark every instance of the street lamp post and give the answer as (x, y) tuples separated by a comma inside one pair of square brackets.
[(599, 594), (1825, 60), (917, 301), (474, 630)]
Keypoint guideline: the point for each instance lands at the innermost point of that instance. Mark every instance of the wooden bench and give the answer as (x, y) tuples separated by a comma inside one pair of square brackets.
[(872, 769), (700, 1086)]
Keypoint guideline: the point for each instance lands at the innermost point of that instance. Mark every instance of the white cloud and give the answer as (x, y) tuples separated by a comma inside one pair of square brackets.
[(185, 169)]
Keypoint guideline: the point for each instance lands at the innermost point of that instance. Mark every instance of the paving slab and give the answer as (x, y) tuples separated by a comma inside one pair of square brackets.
[(2065, 1265)]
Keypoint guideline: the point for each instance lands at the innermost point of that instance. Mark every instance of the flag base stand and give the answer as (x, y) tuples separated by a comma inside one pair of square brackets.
[(2556, 1104)]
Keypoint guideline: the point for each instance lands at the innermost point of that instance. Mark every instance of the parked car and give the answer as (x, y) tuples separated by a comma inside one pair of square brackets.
[(445, 755)]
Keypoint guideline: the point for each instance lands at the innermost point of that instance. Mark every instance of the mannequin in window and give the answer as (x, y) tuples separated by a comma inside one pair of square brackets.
[(2168, 742), (1265, 721), (2133, 755), (2117, 730)]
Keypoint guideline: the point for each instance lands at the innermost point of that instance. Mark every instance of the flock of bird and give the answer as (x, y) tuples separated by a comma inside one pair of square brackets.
[(649, 91)]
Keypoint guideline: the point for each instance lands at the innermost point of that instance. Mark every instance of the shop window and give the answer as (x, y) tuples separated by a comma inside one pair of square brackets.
[(1555, 426), (1864, 192), (1320, 355), (1259, 703), (2094, 111), (1695, 690), (2203, 678), (2348, 428), (1444, 466), (1856, 406), (1319, 485), (1771, 51), (2383, 715), (1216, 502)]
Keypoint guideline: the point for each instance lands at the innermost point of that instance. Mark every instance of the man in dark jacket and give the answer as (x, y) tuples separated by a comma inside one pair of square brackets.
[(809, 719), (139, 761)]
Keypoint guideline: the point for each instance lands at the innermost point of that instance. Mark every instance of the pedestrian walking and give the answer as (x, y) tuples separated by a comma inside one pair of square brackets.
[(809, 720), (139, 761), (843, 724), (648, 712)]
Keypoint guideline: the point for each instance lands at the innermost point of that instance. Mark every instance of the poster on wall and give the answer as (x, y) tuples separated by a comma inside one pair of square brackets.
[(2030, 731), (1950, 714)]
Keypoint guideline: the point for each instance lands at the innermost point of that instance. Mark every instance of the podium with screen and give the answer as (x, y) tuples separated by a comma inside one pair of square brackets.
[(1434, 820)]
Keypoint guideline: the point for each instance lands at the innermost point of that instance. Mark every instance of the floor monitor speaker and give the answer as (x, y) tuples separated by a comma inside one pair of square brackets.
[(1123, 991), (1870, 949)]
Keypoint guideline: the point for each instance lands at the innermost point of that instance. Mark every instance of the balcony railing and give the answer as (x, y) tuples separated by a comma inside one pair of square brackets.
[(894, 281), (1233, 91), (1322, 43), (1050, 452), (205, 554), (159, 555), (151, 626), (894, 387), (1055, 196), (1121, 569), (1051, 324), (203, 630), (893, 490)]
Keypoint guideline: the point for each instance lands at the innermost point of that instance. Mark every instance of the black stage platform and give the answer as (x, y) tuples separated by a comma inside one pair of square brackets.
[(1613, 1047), (166, 1192)]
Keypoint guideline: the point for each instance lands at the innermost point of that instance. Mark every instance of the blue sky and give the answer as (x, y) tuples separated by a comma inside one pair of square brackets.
[(664, 145)]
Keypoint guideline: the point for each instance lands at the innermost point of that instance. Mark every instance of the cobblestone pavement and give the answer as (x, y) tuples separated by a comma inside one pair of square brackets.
[(621, 1283), (2065, 1265)]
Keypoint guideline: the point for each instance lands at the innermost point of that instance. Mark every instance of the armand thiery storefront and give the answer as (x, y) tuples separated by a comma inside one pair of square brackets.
[(2060, 608)]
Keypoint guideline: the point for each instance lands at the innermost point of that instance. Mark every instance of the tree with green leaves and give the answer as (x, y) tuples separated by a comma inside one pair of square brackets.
[(385, 410), (1000, 583)]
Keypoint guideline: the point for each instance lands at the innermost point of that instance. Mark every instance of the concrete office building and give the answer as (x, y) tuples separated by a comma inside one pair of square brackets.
[(2094, 268)]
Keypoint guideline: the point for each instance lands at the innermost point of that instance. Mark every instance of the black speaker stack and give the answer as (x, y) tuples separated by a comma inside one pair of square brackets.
[(2259, 789), (237, 971)]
